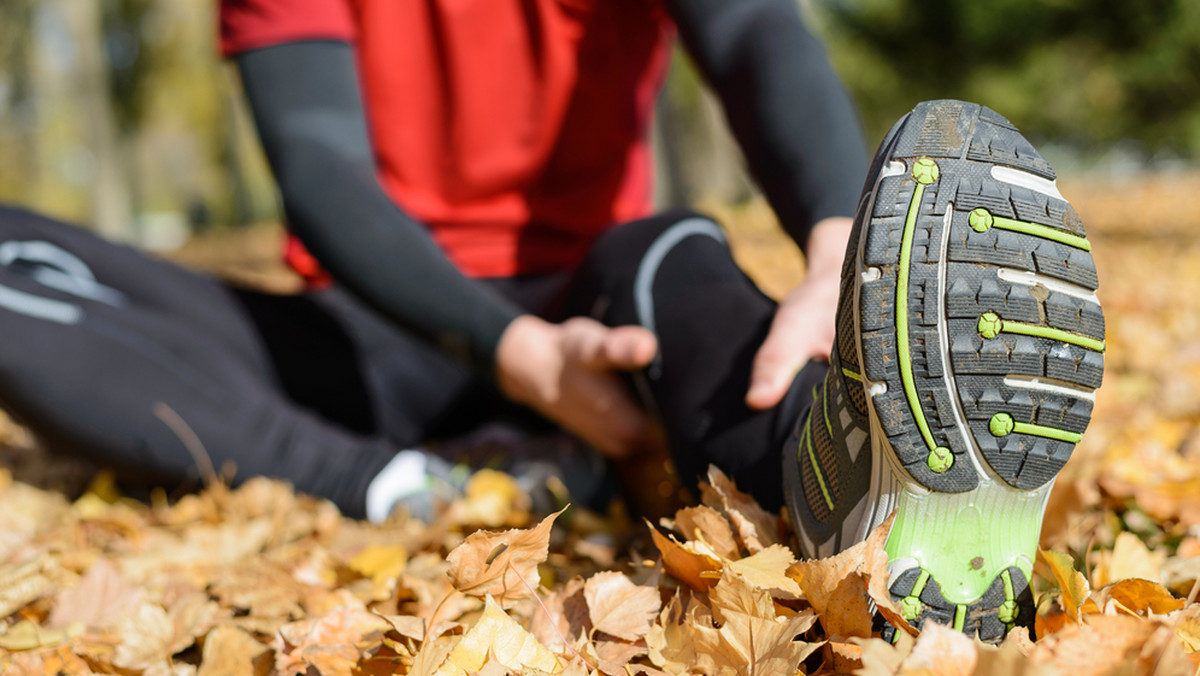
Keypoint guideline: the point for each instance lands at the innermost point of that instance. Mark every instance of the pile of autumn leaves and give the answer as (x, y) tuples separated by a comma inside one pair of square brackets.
[(258, 581)]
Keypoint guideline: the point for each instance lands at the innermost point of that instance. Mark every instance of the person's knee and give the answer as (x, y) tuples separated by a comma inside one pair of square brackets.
[(633, 241)]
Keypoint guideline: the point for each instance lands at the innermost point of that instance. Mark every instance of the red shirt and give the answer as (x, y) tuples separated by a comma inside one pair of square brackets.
[(516, 130)]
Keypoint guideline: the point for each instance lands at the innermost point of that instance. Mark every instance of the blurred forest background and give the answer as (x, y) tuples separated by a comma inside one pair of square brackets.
[(119, 113)]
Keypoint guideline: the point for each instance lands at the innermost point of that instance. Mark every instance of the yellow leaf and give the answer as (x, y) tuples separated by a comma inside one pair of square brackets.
[(767, 570), (25, 635), (498, 636), (492, 499), (1072, 583), (380, 562)]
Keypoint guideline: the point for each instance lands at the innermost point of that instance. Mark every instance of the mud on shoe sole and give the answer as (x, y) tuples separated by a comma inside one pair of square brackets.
[(982, 344)]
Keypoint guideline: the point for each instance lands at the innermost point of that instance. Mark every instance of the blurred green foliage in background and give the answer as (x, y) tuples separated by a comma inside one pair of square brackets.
[(119, 113), (1083, 73)]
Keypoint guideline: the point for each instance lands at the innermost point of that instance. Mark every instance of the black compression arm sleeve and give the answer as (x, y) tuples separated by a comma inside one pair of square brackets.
[(309, 113), (787, 108)]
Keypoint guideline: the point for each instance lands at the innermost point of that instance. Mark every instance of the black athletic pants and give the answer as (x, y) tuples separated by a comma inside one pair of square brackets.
[(105, 351)]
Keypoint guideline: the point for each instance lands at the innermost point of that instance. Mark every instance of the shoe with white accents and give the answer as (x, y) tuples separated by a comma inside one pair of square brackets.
[(970, 344)]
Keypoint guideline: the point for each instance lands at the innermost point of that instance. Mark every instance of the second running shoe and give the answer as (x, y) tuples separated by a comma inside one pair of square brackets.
[(970, 343)]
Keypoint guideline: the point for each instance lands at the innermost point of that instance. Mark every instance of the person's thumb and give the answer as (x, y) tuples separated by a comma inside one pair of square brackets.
[(774, 367)]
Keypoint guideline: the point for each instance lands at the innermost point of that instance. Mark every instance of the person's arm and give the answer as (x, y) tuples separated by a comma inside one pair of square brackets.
[(308, 110), (309, 114), (799, 132), (787, 108)]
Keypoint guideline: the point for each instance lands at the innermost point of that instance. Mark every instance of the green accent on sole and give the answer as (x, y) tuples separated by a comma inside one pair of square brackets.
[(925, 171), (903, 356), (991, 325), (940, 459), (911, 606), (966, 540), (1002, 424), (981, 220), (1007, 612), (960, 617), (806, 441), (851, 374)]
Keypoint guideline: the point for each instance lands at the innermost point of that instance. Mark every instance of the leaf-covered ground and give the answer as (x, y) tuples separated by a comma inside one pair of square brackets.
[(258, 580)]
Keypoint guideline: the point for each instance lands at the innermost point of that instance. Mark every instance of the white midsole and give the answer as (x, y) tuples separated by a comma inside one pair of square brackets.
[(1025, 179), (1026, 278)]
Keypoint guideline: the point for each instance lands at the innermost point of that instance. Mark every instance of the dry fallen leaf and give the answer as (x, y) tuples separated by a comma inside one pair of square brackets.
[(497, 637), (696, 569), (501, 565), (1073, 585), (229, 651), (842, 588), (767, 570), (380, 562), (619, 607), (756, 528), (332, 643), (940, 651), (750, 638), (706, 524)]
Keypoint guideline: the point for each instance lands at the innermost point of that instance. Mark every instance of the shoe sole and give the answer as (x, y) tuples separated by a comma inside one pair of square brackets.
[(982, 343)]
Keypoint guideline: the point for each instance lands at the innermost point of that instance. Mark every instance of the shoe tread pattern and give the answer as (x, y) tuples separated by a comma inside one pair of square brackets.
[(951, 132)]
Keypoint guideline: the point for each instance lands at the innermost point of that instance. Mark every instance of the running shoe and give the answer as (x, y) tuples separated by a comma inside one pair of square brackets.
[(970, 343)]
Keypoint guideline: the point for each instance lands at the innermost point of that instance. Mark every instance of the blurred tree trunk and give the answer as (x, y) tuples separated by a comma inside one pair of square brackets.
[(111, 194)]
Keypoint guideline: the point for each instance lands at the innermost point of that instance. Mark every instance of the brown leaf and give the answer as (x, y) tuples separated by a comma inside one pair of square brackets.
[(566, 617), (620, 608), (1100, 644), (1137, 597), (332, 643), (501, 565), (669, 640), (841, 588), (880, 658), (695, 569), (101, 598), (706, 524), (756, 528), (229, 651), (751, 639)]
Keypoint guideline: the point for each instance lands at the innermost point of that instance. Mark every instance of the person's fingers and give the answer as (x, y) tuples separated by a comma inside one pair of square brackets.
[(609, 418), (630, 347), (584, 342), (775, 365)]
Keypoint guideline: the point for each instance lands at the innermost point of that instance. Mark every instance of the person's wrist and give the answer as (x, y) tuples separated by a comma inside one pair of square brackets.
[(522, 343), (826, 247)]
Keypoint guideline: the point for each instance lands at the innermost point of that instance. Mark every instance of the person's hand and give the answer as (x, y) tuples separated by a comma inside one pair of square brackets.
[(567, 372), (803, 327)]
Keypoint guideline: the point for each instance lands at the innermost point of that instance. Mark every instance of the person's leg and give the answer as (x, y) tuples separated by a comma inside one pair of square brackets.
[(674, 274), (155, 370)]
